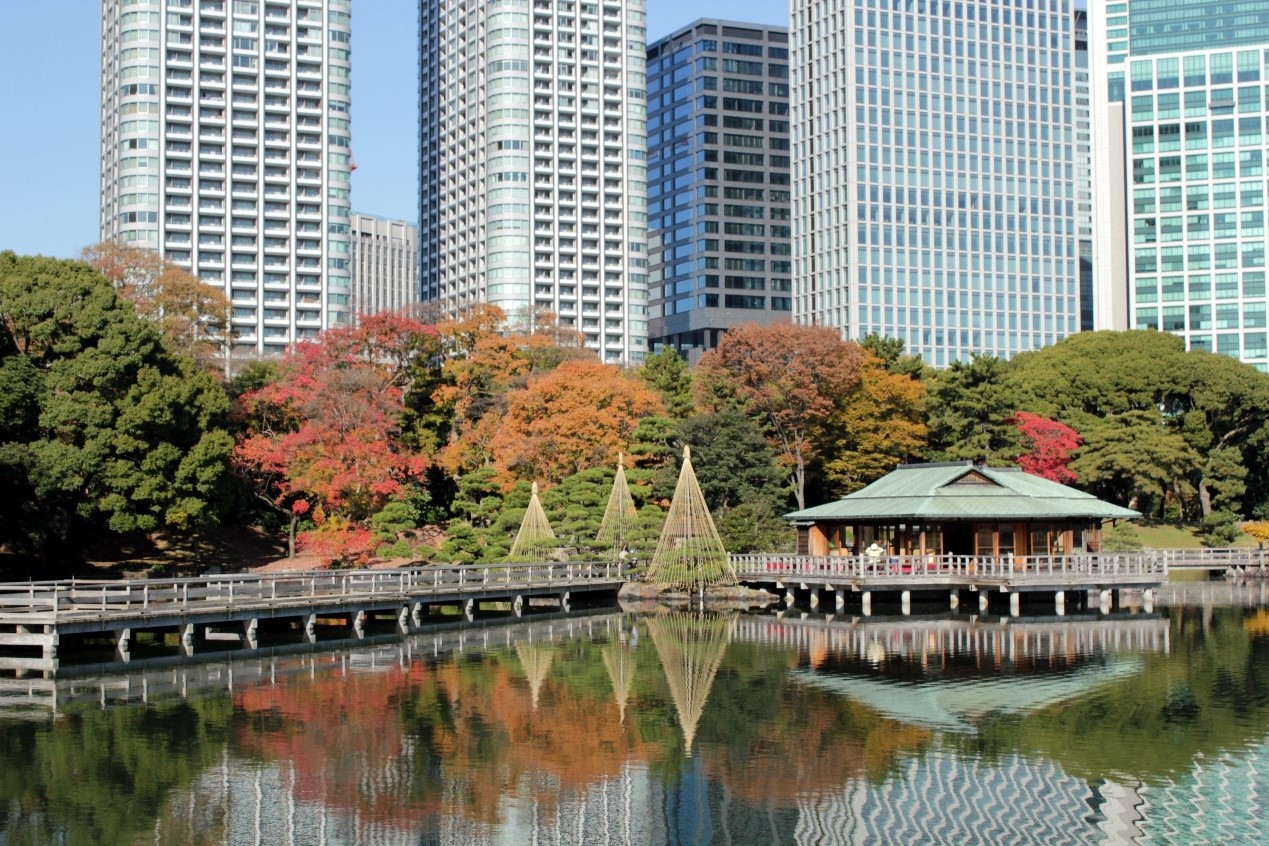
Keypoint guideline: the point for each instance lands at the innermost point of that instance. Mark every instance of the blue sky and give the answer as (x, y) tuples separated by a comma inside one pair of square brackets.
[(49, 77)]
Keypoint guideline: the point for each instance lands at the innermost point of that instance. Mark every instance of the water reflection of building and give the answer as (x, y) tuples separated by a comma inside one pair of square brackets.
[(1221, 800), (252, 803), (942, 797)]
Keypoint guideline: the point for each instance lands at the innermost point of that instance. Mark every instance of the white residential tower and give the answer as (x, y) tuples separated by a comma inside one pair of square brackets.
[(533, 172), (225, 146)]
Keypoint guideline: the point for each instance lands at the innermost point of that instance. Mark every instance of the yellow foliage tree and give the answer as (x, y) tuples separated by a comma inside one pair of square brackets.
[(1259, 530)]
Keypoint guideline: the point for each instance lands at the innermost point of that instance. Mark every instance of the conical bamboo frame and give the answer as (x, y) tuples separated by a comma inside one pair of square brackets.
[(536, 662), (621, 520), (691, 648), (690, 554), (620, 666), (536, 539)]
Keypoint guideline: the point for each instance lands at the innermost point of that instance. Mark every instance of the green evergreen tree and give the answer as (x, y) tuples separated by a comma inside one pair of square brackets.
[(128, 436)]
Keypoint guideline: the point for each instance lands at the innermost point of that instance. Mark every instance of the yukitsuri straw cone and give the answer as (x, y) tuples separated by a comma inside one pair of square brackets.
[(536, 539), (691, 647), (620, 666), (535, 661), (690, 554), (620, 517)]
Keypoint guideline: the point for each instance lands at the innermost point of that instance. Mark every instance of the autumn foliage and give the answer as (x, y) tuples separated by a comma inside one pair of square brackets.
[(192, 314), (578, 416), (793, 378), (324, 438), (1052, 447)]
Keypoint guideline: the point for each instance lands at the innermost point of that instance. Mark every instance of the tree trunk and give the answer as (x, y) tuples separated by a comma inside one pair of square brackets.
[(799, 481), (1205, 497), (290, 537)]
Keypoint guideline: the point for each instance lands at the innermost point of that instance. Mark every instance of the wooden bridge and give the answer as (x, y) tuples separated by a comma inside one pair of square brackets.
[(955, 577), (152, 679), (1234, 561), (37, 618)]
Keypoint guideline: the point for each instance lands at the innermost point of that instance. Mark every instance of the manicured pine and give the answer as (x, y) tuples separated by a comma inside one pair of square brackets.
[(536, 539), (690, 554), (621, 520)]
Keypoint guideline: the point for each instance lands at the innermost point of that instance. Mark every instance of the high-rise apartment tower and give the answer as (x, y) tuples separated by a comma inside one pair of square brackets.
[(718, 181), (1180, 109), (225, 146), (934, 178), (533, 171)]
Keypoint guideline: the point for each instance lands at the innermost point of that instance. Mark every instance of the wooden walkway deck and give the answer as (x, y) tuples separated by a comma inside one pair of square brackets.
[(37, 617), (954, 576)]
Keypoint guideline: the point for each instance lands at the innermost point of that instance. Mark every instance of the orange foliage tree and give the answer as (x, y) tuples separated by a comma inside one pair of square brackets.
[(793, 378), (483, 362), (881, 424), (575, 417), (192, 314)]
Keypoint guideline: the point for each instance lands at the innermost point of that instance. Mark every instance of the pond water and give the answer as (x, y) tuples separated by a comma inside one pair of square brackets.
[(613, 728)]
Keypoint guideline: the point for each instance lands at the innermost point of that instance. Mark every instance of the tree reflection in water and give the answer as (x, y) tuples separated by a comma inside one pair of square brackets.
[(460, 749)]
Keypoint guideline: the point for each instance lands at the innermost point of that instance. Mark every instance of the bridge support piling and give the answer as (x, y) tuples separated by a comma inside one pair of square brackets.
[(50, 645), (123, 639), (1147, 600), (954, 600), (1015, 604), (310, 628), (790, 596), (469, 608), (815, 598), (416, 614), (403, 620), (839, 600), (187, 639), (517, 605), (1059, 603), (866, 600), (905, 602), (359, 624), (564, 600), (984, 599), (1105, 601), (249, 628)]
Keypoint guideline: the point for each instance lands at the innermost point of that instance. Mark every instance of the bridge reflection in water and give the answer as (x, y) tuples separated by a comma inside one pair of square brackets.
[(953, 672)]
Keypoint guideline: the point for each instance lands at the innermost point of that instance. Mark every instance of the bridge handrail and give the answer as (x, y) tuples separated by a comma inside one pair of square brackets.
[(934, 567), (292, 587)]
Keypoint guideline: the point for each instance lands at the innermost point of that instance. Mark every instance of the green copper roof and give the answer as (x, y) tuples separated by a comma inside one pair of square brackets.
[(960, 491)]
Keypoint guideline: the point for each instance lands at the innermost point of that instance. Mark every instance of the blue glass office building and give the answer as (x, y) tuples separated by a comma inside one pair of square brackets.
[(934, 184), (718, 182)]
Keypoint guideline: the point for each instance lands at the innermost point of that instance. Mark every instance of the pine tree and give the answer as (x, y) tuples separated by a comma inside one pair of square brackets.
[(536, 539), (690, 554)]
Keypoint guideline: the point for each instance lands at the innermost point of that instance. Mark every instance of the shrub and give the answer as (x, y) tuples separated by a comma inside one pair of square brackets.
[(1121, 537)]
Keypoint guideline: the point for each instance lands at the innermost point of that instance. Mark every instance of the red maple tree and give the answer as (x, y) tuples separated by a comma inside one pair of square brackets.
[(323, 439), (1053, 445)]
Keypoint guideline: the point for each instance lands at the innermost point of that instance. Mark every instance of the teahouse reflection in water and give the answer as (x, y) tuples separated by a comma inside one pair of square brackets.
[(674, 728)]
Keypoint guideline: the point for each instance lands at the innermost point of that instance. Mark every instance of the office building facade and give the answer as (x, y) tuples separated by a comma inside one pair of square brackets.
[(533, 171), (385, 264), (718, 182), (934, 178), (1184, 100), (225, 146)]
